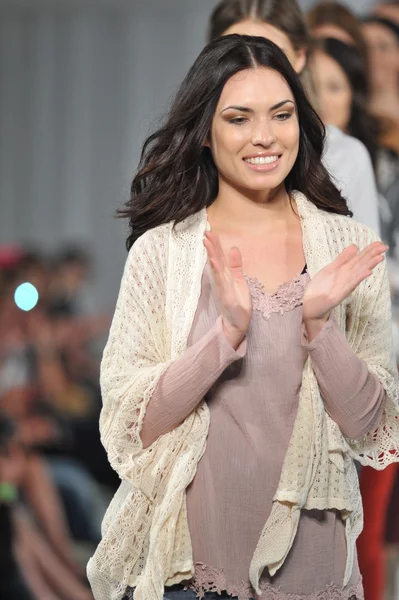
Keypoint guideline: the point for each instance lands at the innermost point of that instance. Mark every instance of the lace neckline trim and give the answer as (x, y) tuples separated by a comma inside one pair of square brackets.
[(287, 297)]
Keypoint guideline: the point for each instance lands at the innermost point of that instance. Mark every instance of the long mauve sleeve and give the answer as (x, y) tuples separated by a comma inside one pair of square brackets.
[(353, 396), (187, 380)]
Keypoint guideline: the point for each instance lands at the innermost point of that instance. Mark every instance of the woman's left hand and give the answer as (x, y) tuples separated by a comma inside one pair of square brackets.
[(335, 282)]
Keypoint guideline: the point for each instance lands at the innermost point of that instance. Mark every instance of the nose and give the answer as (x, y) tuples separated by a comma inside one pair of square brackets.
[(263, 134)]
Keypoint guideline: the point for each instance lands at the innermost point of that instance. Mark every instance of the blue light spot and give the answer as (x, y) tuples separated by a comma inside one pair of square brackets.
[(26, 296)]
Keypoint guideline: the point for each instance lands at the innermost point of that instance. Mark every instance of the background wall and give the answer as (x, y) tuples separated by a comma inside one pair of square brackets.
[(81, 82)]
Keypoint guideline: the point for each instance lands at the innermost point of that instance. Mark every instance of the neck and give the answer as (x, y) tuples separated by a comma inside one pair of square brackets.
[(250, 212)]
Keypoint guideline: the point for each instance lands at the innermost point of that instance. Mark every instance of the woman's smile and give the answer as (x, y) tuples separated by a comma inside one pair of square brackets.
[(263, 163)]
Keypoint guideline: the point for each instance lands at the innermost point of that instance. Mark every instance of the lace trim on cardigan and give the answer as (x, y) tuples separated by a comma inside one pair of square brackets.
[(209, 579), (287, 297)]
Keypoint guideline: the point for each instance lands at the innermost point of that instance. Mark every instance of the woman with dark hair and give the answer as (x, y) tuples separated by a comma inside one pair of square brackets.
[(283, 22), (248, 361)]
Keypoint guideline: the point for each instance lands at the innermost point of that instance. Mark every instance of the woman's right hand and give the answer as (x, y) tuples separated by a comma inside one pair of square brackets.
[(232, 289)]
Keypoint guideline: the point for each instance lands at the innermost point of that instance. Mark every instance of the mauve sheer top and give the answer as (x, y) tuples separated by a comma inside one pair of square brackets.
[(252, 394)]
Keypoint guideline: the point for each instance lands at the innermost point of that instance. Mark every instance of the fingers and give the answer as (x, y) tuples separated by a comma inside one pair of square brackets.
[(219, 249), (235, 259), (215, 251), (365, 265), (355, 260), (345, 256), (222, 267), (369, 257), (374, 248), (209, 244)]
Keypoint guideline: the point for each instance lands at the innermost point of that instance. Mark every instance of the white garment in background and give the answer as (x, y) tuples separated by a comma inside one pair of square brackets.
[(349, 164)]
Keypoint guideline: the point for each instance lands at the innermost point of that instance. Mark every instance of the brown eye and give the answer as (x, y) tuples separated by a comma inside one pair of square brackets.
[(238, 120)]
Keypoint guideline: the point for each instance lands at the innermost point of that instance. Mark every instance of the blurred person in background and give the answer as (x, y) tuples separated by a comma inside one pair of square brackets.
[(382, 37), (71, 313), (283, 22), (342, 23), (342, 88), (34, 526), (70, 273), (334, 20), (12, 583)]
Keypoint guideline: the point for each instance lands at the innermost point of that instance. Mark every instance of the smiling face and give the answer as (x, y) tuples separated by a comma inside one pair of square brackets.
[(255, 131)]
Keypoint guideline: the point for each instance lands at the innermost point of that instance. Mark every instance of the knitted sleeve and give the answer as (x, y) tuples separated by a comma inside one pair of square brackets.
[(134, 357), (370, 323), (353, 397), (187, 380)]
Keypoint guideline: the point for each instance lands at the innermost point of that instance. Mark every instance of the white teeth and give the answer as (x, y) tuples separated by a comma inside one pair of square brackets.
[(261, 160)]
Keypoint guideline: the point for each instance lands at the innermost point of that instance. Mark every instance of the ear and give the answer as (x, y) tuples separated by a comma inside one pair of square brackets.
[(300, 60)]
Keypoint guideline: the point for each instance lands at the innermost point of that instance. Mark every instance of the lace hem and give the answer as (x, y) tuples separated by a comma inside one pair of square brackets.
[(209, 579), (287, 297)]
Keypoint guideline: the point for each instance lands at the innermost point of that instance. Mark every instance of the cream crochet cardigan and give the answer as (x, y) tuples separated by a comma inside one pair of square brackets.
[(146, 542)]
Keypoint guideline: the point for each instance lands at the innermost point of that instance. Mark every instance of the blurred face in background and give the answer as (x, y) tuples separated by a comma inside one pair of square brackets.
[(384, 53), (261, 29), (333, 90)]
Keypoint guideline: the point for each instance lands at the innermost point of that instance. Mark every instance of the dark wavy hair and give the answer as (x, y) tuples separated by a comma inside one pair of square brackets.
[(177, 175), (362, 125)]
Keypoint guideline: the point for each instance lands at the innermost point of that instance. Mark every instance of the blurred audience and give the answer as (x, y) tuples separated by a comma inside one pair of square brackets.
[(49, 390), (12, 583)]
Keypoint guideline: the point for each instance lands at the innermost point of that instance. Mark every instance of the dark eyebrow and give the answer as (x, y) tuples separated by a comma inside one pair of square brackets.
[(245, 109), (280, 104), (239, 108)]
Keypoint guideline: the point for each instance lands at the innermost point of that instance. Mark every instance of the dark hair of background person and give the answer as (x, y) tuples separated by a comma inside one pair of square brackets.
[(393, 27), (334, 13), (362, 125), (177, 176), (285, 15)]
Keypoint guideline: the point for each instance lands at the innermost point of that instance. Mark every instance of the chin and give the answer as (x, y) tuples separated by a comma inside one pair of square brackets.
[(264, 183)]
